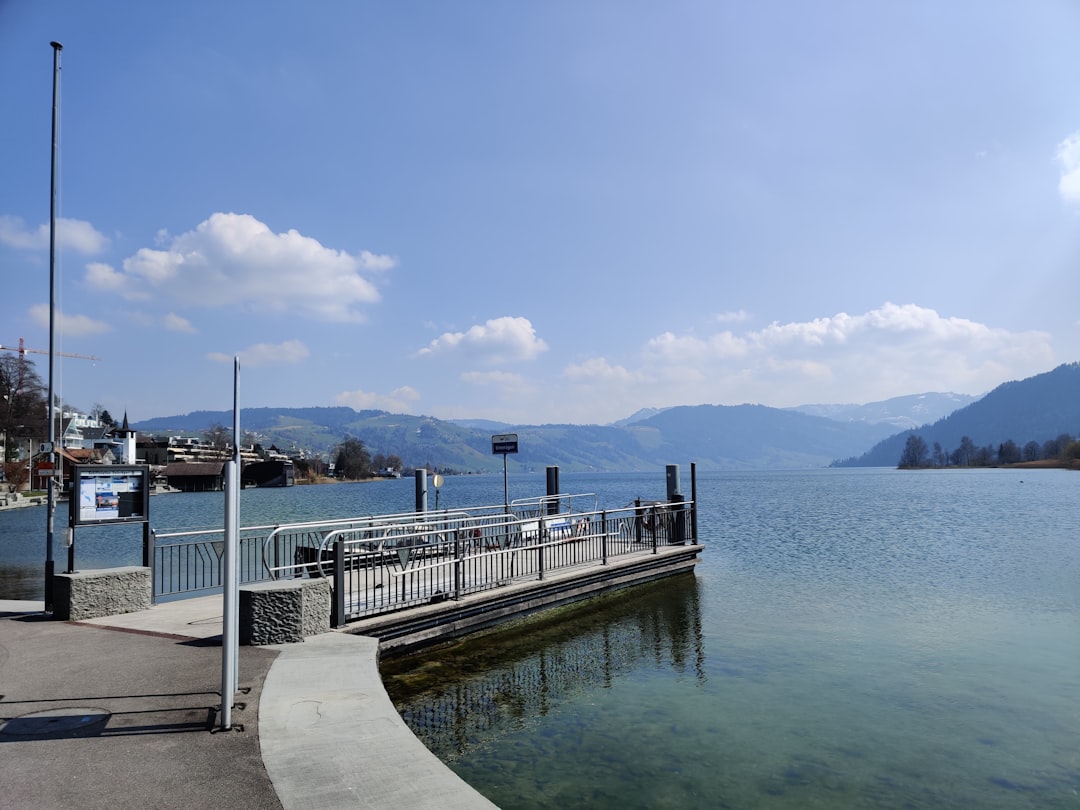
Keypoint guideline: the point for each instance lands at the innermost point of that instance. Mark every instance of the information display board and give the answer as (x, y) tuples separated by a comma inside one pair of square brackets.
[(109, 493)]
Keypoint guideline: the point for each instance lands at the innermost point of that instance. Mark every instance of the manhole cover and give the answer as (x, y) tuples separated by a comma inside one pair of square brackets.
[(55, 721)]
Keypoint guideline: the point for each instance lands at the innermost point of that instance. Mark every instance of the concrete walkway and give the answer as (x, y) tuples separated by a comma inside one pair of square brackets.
[(119, 712)]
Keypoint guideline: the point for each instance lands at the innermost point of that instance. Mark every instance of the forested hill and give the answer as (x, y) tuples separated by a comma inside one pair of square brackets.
[(716, 437), (1037, 409)]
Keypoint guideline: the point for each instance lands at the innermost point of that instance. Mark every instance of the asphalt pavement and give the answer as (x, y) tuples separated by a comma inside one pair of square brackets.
[(122, 712)]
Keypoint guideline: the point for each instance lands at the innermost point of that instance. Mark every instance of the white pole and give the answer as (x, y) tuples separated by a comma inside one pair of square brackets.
[(235, 506), (230, 609)]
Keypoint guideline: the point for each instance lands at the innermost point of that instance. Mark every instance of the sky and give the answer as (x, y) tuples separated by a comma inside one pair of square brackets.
[(541, 212)]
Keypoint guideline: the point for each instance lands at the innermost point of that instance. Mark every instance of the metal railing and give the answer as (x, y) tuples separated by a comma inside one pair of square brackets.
[(384, 563)]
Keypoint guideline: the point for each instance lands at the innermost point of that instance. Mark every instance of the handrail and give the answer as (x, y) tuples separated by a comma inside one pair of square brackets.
[(467, 546)]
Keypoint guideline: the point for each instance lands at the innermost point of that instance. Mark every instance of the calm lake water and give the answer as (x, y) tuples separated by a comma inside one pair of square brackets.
[(851, 638)]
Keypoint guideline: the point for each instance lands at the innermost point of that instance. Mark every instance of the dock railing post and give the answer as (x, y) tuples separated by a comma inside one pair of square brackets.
[(603, 537), (541, 543), (337, 610), (150, 559), (458, 563), (693, 500)]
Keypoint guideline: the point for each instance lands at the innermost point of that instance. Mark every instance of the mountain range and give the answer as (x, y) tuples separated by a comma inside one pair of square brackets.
[(717, 437), (1039, 409)]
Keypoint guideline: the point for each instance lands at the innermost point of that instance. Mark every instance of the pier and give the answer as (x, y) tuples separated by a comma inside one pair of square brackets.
[(414, 578)]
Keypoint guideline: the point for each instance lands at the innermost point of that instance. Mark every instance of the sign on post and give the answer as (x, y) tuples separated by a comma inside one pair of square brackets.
[(503, 443)]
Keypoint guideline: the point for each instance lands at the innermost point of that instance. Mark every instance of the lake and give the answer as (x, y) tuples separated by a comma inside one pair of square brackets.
[(852, 638)]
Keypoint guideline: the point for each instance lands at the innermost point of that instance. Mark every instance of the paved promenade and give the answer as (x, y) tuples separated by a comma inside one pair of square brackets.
[(121, 712)]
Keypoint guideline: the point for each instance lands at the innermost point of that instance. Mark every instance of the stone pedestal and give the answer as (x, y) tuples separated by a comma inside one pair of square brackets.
[(106, 592), (284, 611)]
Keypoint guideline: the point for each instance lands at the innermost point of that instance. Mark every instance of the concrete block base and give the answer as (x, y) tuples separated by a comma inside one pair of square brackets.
[(284, 611), (106, 592)]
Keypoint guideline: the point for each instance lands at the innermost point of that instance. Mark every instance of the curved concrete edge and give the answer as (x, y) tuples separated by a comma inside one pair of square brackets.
[(331, 737)]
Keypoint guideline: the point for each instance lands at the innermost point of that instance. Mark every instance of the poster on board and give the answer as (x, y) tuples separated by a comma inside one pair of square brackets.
[(109, 493)]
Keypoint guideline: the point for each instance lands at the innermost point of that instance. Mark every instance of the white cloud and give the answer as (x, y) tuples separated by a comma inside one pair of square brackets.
[(266, 354), (234, 259), (1068, 155), (104, 277), (498, 340), (69, 325), (737, 316), (71, 234), (175, 323), (399, 400), (889, 351), (597, 369)]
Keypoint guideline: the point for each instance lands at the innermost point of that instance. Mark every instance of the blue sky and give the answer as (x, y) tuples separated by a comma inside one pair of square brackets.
[(543, 212)]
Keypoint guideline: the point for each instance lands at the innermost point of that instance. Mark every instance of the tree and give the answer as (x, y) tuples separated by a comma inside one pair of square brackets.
[(1008, 452), (217, 435), (23, 405), (915, 452), (964, 456), (1032, 451), (941, 458), (352, 460)]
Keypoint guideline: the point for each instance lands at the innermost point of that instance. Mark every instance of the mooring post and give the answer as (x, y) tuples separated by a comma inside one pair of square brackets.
[(337, 612), (421, 490), (672, 480), (680, 519), (553, 490)]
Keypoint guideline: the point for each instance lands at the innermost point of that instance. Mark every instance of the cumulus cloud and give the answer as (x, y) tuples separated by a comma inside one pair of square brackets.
[(175, 323), (597, 368), (71, 325), (737, 316), (499, 340), (71, 234), (236, 260), (266, 354), (889, 351), (399, 400), (1068, 156)]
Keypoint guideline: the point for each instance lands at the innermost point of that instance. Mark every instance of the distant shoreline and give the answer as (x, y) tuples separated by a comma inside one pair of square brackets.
[(1055, 464)]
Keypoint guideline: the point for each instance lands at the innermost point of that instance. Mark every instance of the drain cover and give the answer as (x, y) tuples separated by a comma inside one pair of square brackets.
[(55, 721)]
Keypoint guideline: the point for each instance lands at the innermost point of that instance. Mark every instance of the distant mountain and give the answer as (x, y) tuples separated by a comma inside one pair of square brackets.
[(1035, 409), (750, 436), (903, 413), (717, 437), (483, 424), (638, 416)]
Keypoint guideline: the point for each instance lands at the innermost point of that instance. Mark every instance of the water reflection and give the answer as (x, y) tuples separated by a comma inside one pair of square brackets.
[(458, 697)]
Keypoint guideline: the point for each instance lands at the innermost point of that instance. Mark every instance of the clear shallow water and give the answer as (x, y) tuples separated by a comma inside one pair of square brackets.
[(867, 638), (855, 638)]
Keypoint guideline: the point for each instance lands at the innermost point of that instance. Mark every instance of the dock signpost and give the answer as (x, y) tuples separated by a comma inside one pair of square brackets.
[(503, 444)]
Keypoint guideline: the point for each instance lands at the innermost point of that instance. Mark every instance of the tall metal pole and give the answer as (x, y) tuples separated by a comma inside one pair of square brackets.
[(51, 496), (230, 596)]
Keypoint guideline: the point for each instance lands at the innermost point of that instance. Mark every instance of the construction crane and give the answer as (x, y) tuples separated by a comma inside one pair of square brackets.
[(22, 350)]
